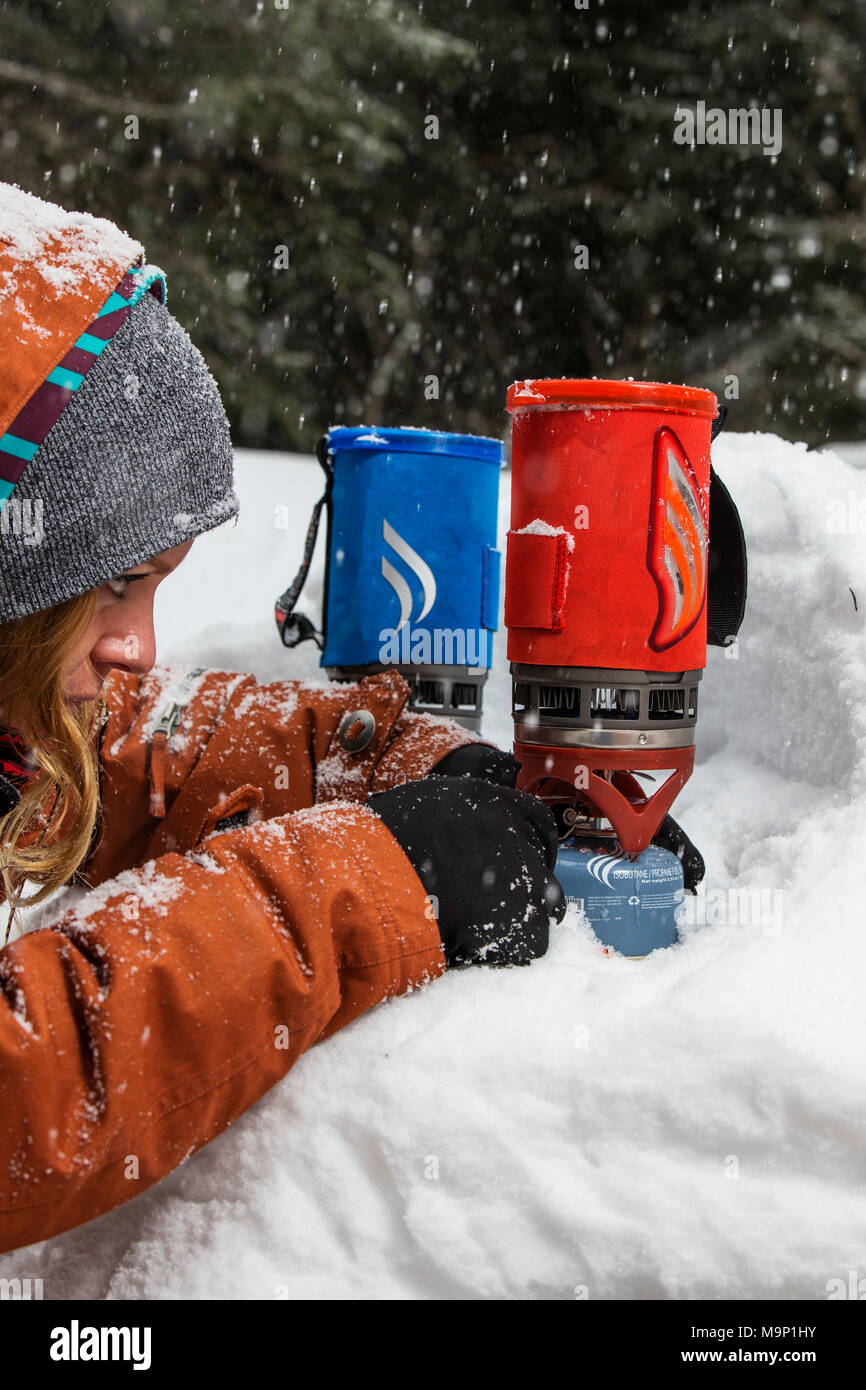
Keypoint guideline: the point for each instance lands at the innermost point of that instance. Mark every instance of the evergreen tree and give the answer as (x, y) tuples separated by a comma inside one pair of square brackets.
[(370, 211)]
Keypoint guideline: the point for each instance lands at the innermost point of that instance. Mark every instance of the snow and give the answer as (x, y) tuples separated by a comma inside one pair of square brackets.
[(144, 887), (525, 392), (686, 1126), (147, 888), (371, 438), (539, 527), (29, 229)]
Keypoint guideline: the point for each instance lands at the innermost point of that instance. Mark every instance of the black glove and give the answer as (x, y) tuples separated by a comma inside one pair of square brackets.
[(671, 836), (479, 760), (485, 854)]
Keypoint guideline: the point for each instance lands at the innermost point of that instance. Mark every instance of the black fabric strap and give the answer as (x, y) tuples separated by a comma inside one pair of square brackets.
[(671, 836), (295, 627), (727, 564)]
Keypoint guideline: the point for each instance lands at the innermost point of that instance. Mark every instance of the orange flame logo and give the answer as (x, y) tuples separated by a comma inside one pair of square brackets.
[(678, 541)]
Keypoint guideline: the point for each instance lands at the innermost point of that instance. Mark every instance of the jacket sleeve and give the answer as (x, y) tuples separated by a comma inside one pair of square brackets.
[(240, 748), (169, 999)]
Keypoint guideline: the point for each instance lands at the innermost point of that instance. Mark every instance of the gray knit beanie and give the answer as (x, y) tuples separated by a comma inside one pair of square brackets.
[(138, 460)]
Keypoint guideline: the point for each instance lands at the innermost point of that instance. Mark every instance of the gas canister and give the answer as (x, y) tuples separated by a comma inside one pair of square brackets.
[(632, 904)]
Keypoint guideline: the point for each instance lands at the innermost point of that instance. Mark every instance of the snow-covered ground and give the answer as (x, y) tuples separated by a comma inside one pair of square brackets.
[(687, 1126), (852, 453)]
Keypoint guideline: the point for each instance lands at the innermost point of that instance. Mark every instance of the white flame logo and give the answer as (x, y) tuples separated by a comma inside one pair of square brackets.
[(678, 542), (419, 568), (601, 866)]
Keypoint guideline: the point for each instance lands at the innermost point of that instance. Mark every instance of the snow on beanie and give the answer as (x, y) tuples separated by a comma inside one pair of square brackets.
[(114, 444)]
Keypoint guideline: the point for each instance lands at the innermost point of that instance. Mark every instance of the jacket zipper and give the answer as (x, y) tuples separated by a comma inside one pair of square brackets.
[(169, 717)]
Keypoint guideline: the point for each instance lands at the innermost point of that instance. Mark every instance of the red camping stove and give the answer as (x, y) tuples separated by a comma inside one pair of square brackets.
[(605, 596)]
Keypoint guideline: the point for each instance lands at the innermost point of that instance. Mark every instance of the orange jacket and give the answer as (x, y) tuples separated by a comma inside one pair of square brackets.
[(207, 958)]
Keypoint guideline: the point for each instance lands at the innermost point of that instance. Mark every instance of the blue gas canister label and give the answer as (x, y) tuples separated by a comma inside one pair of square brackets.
[(632, 904)]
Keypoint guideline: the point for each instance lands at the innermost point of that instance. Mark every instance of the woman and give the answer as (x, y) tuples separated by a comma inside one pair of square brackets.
[(263, 865)]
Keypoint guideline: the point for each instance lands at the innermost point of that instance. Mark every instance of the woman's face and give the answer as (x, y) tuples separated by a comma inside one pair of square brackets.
[(121, 630)]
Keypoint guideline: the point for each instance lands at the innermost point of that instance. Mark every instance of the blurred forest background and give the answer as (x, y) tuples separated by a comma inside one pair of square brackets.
[(419, 249)]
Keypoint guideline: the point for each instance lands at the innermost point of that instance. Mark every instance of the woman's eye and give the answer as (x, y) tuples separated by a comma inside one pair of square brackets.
[(123, 581)]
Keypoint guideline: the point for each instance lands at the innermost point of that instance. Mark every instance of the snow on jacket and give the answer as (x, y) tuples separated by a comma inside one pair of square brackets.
[(209, 953)]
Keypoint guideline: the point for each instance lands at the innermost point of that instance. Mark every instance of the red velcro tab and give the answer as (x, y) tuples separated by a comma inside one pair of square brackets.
[(535, 575)]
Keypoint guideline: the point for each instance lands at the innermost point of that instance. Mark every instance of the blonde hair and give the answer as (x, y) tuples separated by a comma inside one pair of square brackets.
[(39, 845)]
